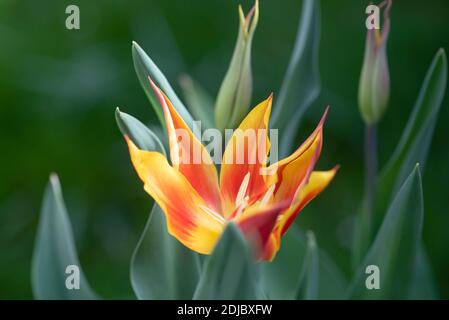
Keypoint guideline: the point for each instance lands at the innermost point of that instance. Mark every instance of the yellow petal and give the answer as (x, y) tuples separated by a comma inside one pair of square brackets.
[(297, 171), (188, 218), (316, 135), (318, 181), (246, 152), (188, 155)]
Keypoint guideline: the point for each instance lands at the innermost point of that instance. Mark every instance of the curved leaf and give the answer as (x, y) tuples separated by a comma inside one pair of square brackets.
[(423, 284), (145, 67), (281, 278), (396, 245), (310, 278), (301, 84), (228, 273), (332, 283), (55, 250), (161, 267), (415, 141), (140, 134), (286, 276)]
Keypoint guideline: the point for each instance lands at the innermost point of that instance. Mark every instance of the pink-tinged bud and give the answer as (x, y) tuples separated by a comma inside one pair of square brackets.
[(374, 86)]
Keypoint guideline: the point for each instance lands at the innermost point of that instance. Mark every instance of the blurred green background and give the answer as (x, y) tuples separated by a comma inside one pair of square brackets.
[(59, 89)]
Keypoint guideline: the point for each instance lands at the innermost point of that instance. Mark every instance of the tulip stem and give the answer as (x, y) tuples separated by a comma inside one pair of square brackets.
[(370, 171)]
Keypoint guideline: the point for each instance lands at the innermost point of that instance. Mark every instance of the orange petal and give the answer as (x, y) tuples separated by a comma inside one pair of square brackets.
[(296, 172), (317, 182), (316, 135), (257, 223), (246, 152), (188, 155), (188, 218)]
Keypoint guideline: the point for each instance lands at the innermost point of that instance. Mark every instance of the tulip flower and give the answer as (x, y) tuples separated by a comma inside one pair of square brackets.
[(263, 200)]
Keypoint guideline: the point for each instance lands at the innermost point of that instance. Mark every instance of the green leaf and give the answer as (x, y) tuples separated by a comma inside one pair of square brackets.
[(228, 273), (396, 245), (332, 283), (415, 141), (301, 84), (161, 267), (295, 268), (55, 250), (423, 284), (142, 137), (281, 278), (145, 67), (310, 273), (199, 101), (412, 148)]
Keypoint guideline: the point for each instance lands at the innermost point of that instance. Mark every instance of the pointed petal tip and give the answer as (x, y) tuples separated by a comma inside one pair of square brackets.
[(160, 95), (152, 83), (323, 117), (250, 14)]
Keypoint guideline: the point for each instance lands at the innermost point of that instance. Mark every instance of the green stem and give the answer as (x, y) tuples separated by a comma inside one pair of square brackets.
[(370, 173)]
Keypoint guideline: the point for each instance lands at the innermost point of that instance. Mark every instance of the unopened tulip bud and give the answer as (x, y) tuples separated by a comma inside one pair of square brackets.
[(234, 96), (374, 86)]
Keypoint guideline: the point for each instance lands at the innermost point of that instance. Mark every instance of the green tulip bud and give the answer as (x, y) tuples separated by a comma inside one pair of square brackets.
[(374, 86), (234, 96)]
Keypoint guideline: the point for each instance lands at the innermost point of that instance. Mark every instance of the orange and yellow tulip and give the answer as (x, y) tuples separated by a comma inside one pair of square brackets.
[(262, 200)]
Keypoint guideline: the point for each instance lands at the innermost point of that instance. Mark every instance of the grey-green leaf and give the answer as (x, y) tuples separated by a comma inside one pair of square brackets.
[(140, 134), (287, 276), (395, 247), (332, 282), (310, 274), (200, 103), (145, 67), (55, 260), (301, 84), (423, 284), (228, 273), (417, 136), (281, 278), (161, 267)]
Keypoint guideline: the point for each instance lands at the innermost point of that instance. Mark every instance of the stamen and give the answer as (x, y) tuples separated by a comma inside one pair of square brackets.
[(268, 195), (241, 195), (213, 214)]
